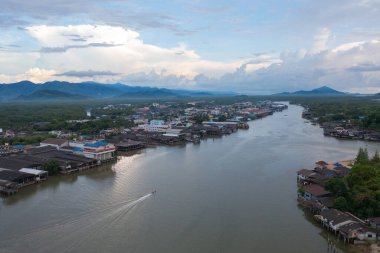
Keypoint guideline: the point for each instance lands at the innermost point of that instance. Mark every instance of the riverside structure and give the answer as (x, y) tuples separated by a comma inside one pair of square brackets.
[(234, 193)]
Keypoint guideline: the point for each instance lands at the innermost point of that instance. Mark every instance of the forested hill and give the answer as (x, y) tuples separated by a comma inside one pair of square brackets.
[(26, 90), (321, 91)]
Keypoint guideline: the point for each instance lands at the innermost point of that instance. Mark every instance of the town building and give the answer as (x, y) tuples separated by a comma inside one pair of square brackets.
[(54, 142), (99, 150)]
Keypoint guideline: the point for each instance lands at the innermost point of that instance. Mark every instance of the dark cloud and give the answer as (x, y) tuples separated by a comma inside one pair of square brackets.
[(7, 20), (91, 11), (87, 73), (367, 67), (65, 48)]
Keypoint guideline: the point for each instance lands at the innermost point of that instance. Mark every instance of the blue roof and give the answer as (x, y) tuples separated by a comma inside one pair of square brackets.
[(96, 144), (77, 149), (18, 146)]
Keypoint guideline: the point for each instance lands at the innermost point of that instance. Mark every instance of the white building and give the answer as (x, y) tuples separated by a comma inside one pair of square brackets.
[(156, 122), (154, 126), (99, 150)]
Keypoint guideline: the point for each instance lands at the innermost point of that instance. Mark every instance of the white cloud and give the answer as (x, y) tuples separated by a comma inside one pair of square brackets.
[(108, 48), (321, 40), (344, 67), (35, 75), (115, 54)]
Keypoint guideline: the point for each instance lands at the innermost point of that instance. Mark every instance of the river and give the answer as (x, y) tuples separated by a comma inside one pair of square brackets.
[(231, 194)]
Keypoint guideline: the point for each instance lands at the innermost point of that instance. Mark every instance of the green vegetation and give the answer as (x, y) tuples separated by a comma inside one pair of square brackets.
[(361, 111), (28, 117), (359, 191), (36, 138), (200, 118), (36, 117), (93, 127), (51, 167)]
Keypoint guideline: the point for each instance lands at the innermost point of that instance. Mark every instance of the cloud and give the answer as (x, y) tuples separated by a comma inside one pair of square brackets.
[(87, 73), (343, 67), (120, 49), (365, 67), (36, 75), (321, 40), (65, 48), (111, 12), (111, 54)]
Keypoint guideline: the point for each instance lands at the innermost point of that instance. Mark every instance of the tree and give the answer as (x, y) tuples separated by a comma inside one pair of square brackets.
[(200, 118), (376, 158), (362, 156), (52, 167), (336, 186), (341, 204)]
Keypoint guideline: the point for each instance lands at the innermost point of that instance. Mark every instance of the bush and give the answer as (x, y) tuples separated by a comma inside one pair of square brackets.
[(51, 167)]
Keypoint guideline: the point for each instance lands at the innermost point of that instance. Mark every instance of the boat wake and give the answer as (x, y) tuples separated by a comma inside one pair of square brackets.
[(85, 226)]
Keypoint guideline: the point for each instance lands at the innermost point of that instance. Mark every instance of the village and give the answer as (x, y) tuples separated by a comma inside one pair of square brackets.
[(343, 129), (153, 125), (323, 204)]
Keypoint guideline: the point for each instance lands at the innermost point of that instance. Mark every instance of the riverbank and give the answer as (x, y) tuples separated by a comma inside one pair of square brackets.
[(67, 156), (223, 195), (331, 192)]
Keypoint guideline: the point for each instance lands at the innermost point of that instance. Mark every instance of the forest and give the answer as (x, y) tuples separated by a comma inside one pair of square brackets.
[(359, 191)]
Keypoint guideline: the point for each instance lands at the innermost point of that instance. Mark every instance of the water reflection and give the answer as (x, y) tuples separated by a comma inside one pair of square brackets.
[(231, 194)]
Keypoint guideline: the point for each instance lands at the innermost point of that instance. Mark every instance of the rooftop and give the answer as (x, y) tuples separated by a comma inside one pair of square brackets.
[(54, 141), (316, 190)]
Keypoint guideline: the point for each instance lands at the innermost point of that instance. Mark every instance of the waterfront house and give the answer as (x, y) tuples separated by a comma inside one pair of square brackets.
[(374, 222), (349, 232), (18, 163), (358, 231), (335, 219), (8, 187), (321, 164), (20, 178), (99, 150), (54, 142), (40, 175), (129, 145), (304, 174), (67, 161), (368, 233), (314, 191)]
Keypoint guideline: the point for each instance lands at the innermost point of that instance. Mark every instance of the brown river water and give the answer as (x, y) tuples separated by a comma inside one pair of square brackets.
[(231, 194)]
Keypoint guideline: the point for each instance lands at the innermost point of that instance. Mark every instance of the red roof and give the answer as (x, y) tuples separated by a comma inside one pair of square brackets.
[(322, 163), (316, 190)]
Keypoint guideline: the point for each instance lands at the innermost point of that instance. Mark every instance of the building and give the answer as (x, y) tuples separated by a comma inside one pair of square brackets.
[(20, 178), (17, 163), (375, 222), (129, 145), (155, 122), (154, 126), (99, 150), (8, 187), (54, 142), (314, 191)]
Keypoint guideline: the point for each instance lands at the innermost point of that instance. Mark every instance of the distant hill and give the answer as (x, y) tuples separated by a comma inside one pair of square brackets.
[(50, 95), (26, 90), (154, 92), (324, 90)]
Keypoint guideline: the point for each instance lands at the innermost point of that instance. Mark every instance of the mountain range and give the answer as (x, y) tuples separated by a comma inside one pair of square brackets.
[(321, 91), (57, 90)]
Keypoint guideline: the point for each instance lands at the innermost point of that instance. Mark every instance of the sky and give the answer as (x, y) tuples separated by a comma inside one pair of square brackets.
[(246, 46)]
